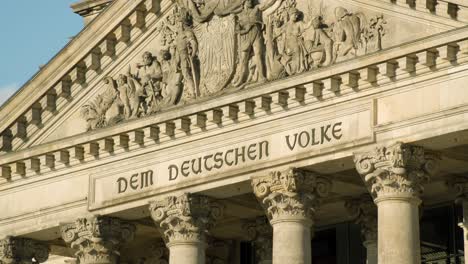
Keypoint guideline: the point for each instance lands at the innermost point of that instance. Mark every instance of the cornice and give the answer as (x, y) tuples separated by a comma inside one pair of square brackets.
[(374, 70)]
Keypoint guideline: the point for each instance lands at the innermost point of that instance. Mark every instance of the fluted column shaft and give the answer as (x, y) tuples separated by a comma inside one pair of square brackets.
[(184, 221), (394, 176), (98, 239), (290, 199)]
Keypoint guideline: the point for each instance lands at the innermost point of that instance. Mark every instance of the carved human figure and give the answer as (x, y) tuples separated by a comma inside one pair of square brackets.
[(187, 49), (130, 93), (149, 75), (347, 32), (319, 45), (172, 86), (295, 50), (251, 44)]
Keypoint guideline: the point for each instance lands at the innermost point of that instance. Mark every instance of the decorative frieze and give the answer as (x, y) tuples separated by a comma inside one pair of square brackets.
[(200, 57), (397, 169), (294, 193), (185, 218), (15, 250), (97, 239)]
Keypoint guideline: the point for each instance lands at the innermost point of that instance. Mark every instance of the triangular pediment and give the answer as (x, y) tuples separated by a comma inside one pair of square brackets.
[(139, 58)]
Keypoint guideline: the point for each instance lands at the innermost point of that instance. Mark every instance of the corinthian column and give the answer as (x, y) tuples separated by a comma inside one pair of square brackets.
[(97, 239), (460, 185), (16, 250), (290, 199), (394, 176), (364, 212), (184, 222), (260, 233)]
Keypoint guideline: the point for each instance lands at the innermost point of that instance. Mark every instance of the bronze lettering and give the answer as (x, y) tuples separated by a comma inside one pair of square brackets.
[(226, 157), (206, 163), (184, 169), (173, 172), (134, 181), (337, 131), (252, 152), (218, 159), (123, 184)]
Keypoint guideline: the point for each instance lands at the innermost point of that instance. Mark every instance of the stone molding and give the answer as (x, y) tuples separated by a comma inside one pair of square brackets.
[(257, 101), (97, 239), (185, 218), (364, 213), (293, 194), (397, 170), (260, 232), (22, 250)]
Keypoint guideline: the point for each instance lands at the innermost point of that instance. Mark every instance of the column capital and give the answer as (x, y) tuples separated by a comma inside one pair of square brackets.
[(459, 185), (260, 232), (97, 239), (22, 250), (185, 218), (158, 254), (364, 212), (398, 170), (291, 195)]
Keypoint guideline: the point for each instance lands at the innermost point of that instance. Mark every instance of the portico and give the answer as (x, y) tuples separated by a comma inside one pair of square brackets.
[(344, 154)]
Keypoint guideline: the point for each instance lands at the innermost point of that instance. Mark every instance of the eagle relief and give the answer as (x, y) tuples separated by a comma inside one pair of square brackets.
[(209, 47)]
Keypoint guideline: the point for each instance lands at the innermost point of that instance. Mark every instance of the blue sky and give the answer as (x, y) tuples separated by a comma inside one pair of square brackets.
[(31, 33)]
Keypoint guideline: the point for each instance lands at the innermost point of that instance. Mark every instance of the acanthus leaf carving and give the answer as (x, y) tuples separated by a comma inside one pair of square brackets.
[(260, 232), (294, 193), (364, 213), (185, 218), (397, 169), (97, 239), (208, 47)]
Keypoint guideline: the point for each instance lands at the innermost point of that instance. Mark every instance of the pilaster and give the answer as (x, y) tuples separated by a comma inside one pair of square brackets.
[(17, 250), (97, 239)]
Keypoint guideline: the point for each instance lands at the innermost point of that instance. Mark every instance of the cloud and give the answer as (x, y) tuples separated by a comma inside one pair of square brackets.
[(6, 91)]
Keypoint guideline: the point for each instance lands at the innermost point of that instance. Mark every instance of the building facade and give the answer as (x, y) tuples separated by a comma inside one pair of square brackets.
[(241, 131)]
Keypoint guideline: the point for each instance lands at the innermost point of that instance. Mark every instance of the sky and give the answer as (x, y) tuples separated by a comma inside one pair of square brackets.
[(31, 33)]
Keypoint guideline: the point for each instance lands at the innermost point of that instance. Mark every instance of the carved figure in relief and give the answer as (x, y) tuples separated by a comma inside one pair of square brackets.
[(172, 78), (208, 46), (347, 32), (149, 76), (373, 34), (187, 49), (249, 29), (320, 45), (295, 52), (104, 110)]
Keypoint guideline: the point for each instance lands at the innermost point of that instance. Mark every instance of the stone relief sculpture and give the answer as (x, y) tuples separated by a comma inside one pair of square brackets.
[(208, 47)]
